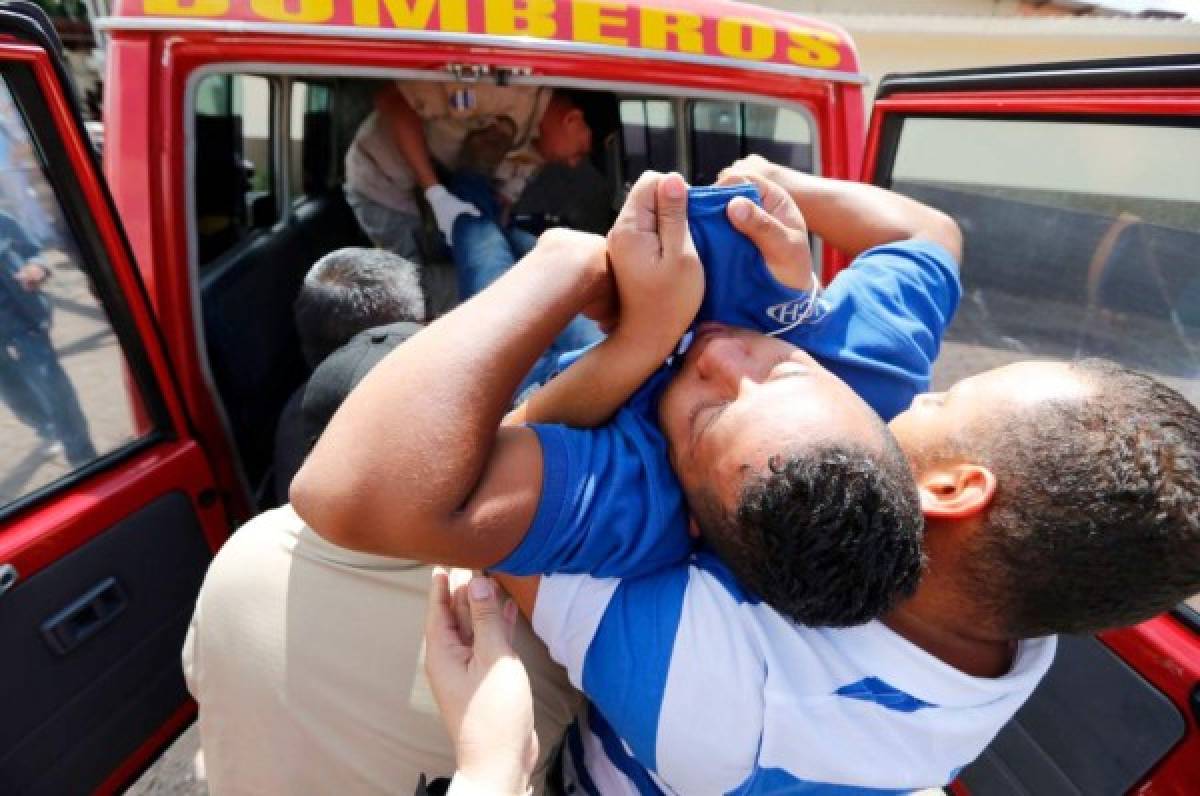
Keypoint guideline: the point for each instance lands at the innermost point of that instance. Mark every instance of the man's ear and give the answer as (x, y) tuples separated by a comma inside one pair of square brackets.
[(956, 492)]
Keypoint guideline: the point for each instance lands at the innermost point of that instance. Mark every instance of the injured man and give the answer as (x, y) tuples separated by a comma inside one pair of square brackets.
[(729, 559)]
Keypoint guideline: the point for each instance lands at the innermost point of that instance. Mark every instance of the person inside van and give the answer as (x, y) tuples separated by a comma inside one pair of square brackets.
[(1059, 498), (470, 150), (345, 292), (421, 132)]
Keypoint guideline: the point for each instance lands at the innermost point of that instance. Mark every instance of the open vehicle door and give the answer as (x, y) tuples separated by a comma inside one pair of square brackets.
[(1077, 187), (107, 509)]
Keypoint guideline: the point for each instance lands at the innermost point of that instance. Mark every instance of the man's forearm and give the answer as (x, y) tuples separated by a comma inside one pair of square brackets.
[(853, 216), (408, 131), (407, 449), (590, 391)]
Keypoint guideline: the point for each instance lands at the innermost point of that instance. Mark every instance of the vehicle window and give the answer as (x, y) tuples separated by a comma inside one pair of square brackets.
[(66, 394), (723, 131), (233, 169), (310, 150), (648, 137), (1080, 240)]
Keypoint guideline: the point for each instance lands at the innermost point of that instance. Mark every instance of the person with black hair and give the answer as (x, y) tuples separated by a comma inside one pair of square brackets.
[(352, 289), (346, 292)]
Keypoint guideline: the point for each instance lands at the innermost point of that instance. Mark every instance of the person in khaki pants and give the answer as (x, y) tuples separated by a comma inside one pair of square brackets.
[(306, 660)]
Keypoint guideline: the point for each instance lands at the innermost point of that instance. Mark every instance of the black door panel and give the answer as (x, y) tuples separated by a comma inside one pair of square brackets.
[(1093, 726), (70, 718)]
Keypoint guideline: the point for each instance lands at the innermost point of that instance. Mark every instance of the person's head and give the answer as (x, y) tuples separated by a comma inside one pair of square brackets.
[(1060, 497), (350, 290), (792, 480), (569, 126)]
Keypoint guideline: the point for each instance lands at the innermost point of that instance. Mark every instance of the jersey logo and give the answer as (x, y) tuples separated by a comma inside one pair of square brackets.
[(789, 312)]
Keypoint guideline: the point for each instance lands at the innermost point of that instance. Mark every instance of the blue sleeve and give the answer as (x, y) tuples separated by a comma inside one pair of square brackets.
[(610, 504), (881, 322)]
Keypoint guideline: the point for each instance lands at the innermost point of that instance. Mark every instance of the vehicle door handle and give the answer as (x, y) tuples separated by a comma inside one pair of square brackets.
[(8, 577), (85, 617)]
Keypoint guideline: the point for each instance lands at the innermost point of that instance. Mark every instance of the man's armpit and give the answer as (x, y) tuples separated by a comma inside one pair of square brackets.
[(523, 589), (497, 514)]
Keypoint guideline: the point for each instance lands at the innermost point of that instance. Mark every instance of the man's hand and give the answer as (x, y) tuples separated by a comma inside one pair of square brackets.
[(853, 216), (660, 284), (32, 275), (480, 684), (660, 281), (777, 228), (446, 209)]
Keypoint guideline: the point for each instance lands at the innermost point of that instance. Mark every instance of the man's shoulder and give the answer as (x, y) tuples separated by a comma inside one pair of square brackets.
[(904, 259)]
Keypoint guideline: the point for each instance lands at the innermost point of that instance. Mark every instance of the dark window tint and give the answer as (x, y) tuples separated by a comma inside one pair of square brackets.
[(723, 131), (310, 150), (234, 175), (648, 136)]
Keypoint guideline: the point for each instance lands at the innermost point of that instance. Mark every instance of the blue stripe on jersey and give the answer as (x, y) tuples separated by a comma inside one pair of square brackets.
[(777, 782), (872, 689), (620, 758), (707, 560), (625, 669)]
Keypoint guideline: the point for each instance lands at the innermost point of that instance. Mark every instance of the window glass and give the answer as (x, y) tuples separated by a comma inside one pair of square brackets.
[(234, 173), (66, 396), (648, 136), (723, 131), (1080, 240), (310, 153)]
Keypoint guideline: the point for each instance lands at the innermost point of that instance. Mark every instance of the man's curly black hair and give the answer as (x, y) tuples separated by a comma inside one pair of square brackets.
[(1096, 519), (828, 536)]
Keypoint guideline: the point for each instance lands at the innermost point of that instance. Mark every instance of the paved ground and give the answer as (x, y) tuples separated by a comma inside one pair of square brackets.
[(177, 773)]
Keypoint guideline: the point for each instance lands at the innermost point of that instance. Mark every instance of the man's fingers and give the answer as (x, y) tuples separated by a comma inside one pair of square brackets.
[(730, 176), (638, 212), (784, 248), (672, 213), (491, 629), (441, 628)]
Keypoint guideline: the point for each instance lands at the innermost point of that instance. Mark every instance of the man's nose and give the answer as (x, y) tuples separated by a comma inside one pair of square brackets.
[(724, 361)]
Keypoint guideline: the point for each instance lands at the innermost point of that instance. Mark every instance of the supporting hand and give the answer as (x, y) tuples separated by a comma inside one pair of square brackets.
[(480, 685), (446, 209)]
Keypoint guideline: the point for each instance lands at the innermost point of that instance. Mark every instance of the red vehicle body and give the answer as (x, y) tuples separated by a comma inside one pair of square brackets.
[(192, 290)]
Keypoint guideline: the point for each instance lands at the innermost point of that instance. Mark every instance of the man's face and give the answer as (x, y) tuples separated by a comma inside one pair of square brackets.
[(565, 137), (740, 398), (974, 409)]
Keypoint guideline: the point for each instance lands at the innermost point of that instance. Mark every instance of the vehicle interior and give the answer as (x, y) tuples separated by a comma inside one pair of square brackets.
[(268, 202)]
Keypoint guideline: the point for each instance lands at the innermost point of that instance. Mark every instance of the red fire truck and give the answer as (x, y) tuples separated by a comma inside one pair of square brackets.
[(226, 122)]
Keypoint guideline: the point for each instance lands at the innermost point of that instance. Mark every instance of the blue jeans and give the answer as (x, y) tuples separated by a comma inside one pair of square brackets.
[(483, 251), (40, 394)]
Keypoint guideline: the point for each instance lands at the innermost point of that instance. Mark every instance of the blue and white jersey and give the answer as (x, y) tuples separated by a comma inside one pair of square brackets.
[(696, 688)]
